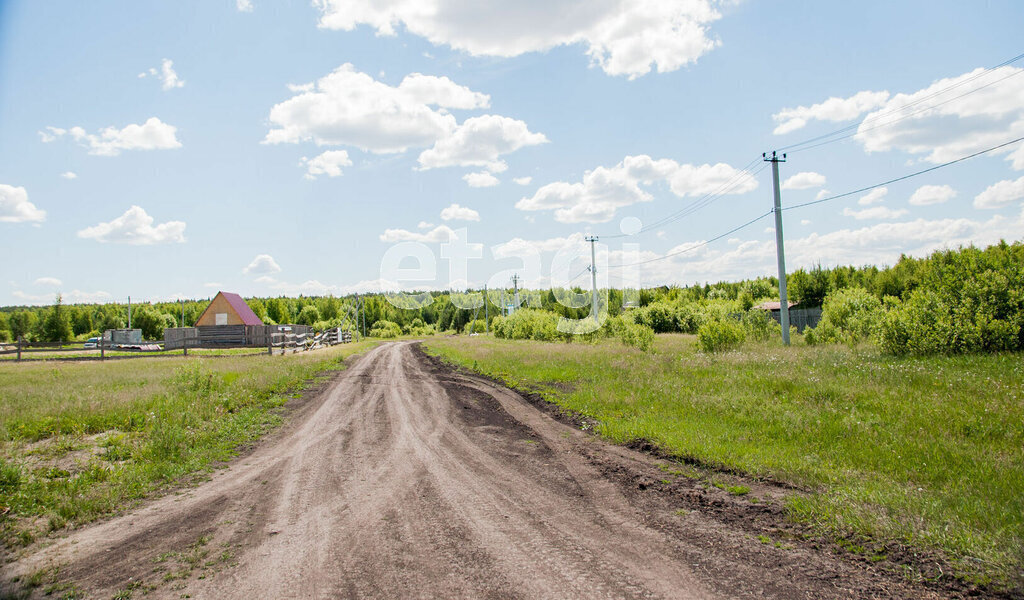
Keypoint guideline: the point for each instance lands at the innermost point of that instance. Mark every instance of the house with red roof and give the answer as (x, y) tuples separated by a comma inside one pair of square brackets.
[(227, 309)]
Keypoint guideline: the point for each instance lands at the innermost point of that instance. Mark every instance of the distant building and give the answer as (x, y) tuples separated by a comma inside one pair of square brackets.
[(774, 305), (227, 309)]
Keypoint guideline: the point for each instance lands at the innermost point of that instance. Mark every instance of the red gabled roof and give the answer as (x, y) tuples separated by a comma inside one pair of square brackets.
[(244, 312)]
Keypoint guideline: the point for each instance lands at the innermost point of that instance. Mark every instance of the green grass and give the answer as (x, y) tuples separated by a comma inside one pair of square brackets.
[(81, 440), (82, 353), (926, 451)]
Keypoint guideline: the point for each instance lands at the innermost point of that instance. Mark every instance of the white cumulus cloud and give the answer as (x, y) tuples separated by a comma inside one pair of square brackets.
[(1000, 194), (263, 264), (243, 5), (347, 107), (50, 281), (803, 181), (154, 134), (167, 75), (69, 175), (623, 37), (479, 142), (15, 207), (329, 163), (875, 212), (459, 213), (944, 121), (522, 180), (441, 233), (75, 296), (834, 109), (604, 190), (135, 227), (932, 194), (873, 197), (877, 244), (481, 179)]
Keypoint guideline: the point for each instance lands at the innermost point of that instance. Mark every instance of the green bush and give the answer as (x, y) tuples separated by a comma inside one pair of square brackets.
[(720, 335), (968, 300), (850, 315), (758, 325), (635, 335), (477, 326), (385, 329), (528, 324), (689, 318)]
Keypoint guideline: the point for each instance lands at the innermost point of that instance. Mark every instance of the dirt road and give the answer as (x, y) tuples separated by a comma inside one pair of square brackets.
[(402, 479)]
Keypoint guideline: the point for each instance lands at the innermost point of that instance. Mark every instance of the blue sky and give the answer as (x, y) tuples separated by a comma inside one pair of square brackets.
[(288, 146)]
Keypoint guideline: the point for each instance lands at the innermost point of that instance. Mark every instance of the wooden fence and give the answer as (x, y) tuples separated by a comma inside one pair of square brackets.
[(275, 342)]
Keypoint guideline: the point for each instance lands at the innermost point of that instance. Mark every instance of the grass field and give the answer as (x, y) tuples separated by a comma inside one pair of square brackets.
[(925, 451), (79, 440)]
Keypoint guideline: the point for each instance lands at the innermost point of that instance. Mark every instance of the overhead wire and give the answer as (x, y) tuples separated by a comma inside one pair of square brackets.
[(746, 171), (694, 246), (908, 176), (904, 107), (906, 116), (820, 201)]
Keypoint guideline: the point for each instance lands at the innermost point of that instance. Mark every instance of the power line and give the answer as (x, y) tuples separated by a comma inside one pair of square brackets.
[(906, 116), (830, 198), (914, 174), (904, 107), (703, 201), (695, 246)]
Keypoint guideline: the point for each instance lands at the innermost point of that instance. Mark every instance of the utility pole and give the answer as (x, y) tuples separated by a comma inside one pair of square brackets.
[(593, 274), (129, 312), (779, 246), (182, 300), (487, 324), (362, 305), (515, 282)]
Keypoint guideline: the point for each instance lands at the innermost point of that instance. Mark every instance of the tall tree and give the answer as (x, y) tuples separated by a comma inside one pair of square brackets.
[(57, 323)]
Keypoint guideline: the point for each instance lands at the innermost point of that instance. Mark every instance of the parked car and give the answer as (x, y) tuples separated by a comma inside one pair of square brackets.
[(93, 342)]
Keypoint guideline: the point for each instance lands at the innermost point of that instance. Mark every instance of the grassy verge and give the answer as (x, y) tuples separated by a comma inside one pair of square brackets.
[(81, 440), (926, 451), (92, 354)]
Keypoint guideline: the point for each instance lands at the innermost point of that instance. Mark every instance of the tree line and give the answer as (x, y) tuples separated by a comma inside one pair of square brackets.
[(965, 283)]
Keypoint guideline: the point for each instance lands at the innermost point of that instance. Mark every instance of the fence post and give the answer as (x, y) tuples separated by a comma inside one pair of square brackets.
[(103, 349), (20, 340), (184, 344), (60, 344), (270, 344)]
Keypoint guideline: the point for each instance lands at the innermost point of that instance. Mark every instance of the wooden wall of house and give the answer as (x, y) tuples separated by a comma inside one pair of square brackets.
[(219, 305)]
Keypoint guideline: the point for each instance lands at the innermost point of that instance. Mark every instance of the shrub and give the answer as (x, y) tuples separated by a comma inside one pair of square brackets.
[(689, 318), (759, 326), (637, 336), (720, 335), (385, 329), (849, 316), (968, 300), (528, 324), (477, 326)]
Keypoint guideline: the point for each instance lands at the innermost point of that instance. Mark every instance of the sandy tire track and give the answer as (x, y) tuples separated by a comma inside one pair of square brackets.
[(404, 479)]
